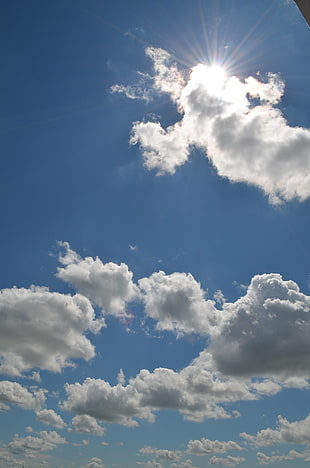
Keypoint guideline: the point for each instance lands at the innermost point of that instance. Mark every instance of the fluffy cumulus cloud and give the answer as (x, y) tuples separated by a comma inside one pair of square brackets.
[(162, 454), (183, 464), (265, 332), (153, 464), (15, 394), (207, 447), (106, 284), (257, 345), (43, 329), (177, 303), (195, 392), (30, 446), (94, 463), (50, 417), (297, 432), (226, 461), (262, 334), (264, 459), (234, 122), (86, 424)]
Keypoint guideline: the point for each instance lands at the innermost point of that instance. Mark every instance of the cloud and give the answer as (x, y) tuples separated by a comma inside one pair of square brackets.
[(234, 122), (50, 417), (108, 285), (162, 454), (7, 460), (86, 424), (265, 332), (184, 464), (43, 329), (177, 303), (167, 78), (227, 461), (195, 392), (297, 432), (133, 92), (29, 446), (15, 394), (292, 455), (153, 464), (94, 463), (206, 446)]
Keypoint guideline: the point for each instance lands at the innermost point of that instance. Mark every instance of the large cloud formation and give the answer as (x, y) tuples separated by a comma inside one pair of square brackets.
[(265, 332), (195, 392), (234, 122), (43, 329)]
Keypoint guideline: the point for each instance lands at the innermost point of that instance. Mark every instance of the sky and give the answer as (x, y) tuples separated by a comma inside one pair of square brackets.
[(155, 267)]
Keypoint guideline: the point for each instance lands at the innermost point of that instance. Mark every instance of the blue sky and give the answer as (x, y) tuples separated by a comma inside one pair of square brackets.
[(155, 189)]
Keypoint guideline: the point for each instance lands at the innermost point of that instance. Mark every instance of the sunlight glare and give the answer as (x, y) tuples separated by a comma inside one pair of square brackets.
[(213, 77)]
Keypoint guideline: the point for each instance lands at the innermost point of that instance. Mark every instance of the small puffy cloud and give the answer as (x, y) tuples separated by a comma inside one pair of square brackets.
[(86, 424), (161, 454), (106, 284), (206, 446), (43, 329), (297, 432), (265, 332), (264, 459), (50, 417), (15, 394), (94, 463), (226, 461), (30, 445), (121, 377), (184, 464), (153, 464), (234, 122), (177, 303)]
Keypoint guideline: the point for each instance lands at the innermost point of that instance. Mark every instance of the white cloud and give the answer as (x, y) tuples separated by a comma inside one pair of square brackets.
[(167, 78), (108, 285), (133, 92), (6, 459), (297, 432), (177, 303), (265, 332), (227, 461), (264, 459), (246, 141), (206, 446), (14, 393), (153, 464), (43, 329), (161, 454), (87, 424), (94, 463), (195, 392), (50, 417), (30, 445), (184, 464)]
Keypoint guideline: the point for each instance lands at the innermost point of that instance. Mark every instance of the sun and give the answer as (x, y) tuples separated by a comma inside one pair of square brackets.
[(213, 77)]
